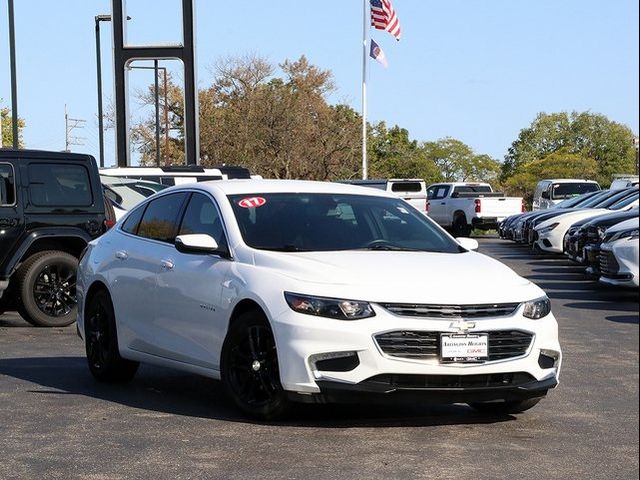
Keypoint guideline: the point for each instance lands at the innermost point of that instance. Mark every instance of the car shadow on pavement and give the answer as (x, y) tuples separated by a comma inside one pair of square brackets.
[(170, 392), (631, 319)]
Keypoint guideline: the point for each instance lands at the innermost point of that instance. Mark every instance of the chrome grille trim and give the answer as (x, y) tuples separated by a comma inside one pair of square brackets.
[(608, 263), (417, 345), (451, 311)]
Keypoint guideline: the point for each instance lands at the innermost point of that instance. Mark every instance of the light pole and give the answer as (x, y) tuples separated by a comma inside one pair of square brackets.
[(98, 19), (155, 68), (14, 83), (635, 144)]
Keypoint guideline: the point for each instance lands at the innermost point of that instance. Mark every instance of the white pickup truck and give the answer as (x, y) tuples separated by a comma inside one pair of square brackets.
[(412, 191), (462, 207)]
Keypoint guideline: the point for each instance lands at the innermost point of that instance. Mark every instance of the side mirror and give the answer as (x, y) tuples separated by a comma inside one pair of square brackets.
[(455, 195), (196, 243), (545, 195), (468, 243)]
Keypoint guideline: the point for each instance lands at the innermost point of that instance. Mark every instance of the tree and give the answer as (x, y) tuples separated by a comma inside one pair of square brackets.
[(392, 154), (6, 127), (458, 162), (588, 135), (559, 164)]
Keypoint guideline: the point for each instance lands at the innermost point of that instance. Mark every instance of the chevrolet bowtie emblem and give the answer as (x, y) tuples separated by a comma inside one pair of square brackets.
[(462, 325)]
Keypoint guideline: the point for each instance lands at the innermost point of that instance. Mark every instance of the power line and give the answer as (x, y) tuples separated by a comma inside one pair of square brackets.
[(71, 124)]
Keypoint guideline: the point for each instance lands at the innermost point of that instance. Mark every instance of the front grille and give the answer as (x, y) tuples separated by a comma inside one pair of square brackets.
[(418, 345), (413, 382), (608, 263), (451, 311)]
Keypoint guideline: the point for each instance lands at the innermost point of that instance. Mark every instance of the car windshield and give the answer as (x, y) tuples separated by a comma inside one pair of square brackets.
[(304, 222), (567, 190), (625, 202), (615, 198), (577, 201)]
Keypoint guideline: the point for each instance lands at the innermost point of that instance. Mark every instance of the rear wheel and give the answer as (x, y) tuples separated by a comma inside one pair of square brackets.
[(460, 227), (249, 367), (101, 342), (47, 289), (517, 406)]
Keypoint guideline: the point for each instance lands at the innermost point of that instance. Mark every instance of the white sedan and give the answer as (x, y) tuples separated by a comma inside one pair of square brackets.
[(307, 291), (549, 235), (619, 255)]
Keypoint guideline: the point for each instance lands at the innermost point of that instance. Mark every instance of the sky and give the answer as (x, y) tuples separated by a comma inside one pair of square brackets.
[(475, 70)]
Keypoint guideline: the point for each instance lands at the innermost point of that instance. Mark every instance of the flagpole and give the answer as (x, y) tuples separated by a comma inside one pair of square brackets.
[(365, 29)]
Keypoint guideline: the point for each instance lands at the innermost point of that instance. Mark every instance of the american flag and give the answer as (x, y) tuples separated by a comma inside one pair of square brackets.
[(383, 17)]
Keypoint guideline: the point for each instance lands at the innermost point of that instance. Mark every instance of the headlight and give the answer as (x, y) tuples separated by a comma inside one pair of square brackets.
[(337, 308), (625, 234), (538, 308), (544, 230)]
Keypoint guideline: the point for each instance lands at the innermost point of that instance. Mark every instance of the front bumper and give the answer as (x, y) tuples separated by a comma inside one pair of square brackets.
[(624, 272), (431, 389), (550, 241), (302, 339)]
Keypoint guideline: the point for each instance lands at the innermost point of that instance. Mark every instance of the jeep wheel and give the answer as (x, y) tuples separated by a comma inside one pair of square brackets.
[(47, 289), (101, 342)]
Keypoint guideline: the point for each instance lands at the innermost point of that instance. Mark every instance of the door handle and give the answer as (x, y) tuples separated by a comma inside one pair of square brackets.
[(443, 203), (122, 255), (166, 264)]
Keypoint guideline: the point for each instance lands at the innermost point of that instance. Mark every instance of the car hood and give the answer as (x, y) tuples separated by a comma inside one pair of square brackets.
[(413, 277)]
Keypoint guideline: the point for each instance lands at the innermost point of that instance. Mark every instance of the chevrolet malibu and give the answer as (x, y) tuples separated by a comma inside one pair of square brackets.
[(312, 292)]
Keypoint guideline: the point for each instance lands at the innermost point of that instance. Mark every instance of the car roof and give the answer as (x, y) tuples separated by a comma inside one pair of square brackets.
[(253, 187)]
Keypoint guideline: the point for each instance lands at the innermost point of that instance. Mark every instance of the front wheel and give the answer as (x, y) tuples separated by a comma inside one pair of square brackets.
[(249, 367), (505, 408), (101, 342)]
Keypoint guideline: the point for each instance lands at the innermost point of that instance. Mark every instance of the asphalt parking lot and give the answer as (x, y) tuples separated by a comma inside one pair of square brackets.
[(56, 422)]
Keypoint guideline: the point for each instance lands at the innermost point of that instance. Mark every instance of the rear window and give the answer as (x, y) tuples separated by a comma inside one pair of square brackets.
[(7, 185), (472, 189), (55, 185), (406, 187), (160, 219), (566, 190)]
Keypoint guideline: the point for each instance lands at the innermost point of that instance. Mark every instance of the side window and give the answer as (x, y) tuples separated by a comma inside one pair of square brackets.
[(160, 219), (7, 185), (55, 185), (130, 225), (441, 192), (201, 216)]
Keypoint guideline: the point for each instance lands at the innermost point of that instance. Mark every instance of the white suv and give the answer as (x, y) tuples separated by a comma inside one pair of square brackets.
[(308, 291)]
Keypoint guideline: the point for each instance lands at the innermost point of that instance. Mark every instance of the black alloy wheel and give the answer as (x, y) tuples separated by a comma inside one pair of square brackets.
[(47, 289), (101, 342), (250, 367)]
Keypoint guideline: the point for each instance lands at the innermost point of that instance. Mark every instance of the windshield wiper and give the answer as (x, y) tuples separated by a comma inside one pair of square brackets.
[(390, 247)]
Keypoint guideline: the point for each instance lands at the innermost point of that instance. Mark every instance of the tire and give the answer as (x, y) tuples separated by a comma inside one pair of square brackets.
[(101, 342), (460, 227), (47, 289), (505, 408), (249, 368)]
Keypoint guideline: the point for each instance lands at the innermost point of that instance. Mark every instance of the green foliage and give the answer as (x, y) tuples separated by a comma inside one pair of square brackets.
[(559, 164), (588, 136), (7, 128), (456, 161)]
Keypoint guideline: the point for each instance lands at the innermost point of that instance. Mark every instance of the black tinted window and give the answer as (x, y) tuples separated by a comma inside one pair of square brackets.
[(130, 225), (472, 189), (201, 216), (59, 185), (566, 190), (328, 222), (7, 185), (160, 219), (406, 187)]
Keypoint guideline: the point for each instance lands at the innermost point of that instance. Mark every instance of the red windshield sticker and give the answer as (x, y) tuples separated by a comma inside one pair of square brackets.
[(252, 202)]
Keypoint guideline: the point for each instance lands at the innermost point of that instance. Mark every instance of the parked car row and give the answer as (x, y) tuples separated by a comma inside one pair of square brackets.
[(597, 229)]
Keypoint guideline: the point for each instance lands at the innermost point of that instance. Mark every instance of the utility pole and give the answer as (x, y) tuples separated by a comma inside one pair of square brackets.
[(71, 124)]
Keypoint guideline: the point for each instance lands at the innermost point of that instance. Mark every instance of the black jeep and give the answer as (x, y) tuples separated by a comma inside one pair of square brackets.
[(51, 206)]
